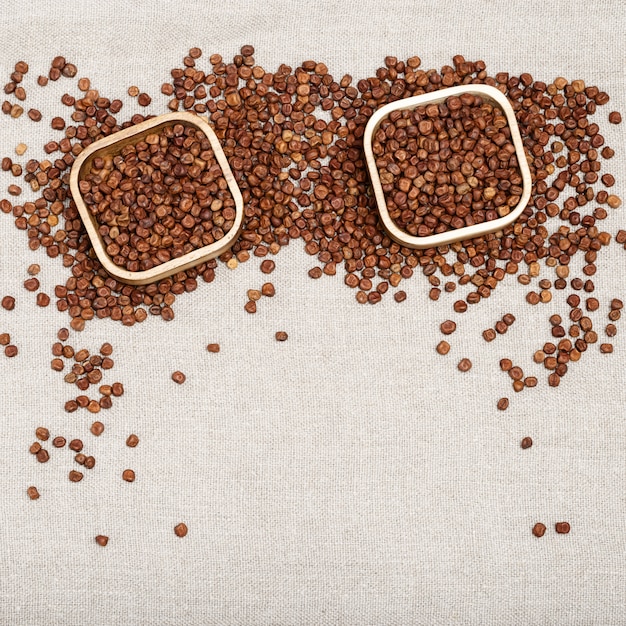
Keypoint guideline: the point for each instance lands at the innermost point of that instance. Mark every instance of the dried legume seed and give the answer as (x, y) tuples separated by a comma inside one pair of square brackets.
[(503, 404), (539, 529), (562, 528), (268, 290), (281, 336), (32, 492), (489, 334), (102, 540), (464, 365), (180, 530), (267, 266), (527, 442), (132, 441), (447, 327), (213, 347), (443, 347), (128, 475), (75, 476), (43, 434), (178, 377)]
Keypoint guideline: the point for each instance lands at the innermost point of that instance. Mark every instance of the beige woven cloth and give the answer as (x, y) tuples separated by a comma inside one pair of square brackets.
[(349, 475)]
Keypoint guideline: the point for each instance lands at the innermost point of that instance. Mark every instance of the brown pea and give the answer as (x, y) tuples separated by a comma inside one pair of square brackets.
[(8, 303), (5, 339), (489, 334), (76, 445), (143, 99), (75, 476), (614, 201), (180, 530), (443, 347), (268, 290), (506, 364), (128, 475), (615, 117), (58, 442), (57, 123), (606, 348), (43, 456), (10, 351), (97, 428), (527, 442), (133, 91), (268, 266), (43, 299), (117, 389), (447, 327), (539, 529), (102, 540), (250, 306), (464, 365), (43, 434), (501, 327), (31, 284), (213, 347), (132, 441), (508, 318), (399, 296), (32, 492), (178, 377), (281, 336), (562, 528), (503, 404)]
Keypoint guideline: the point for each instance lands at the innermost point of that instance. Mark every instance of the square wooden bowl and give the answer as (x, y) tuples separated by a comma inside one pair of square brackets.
[(488, 94), (112, 146)]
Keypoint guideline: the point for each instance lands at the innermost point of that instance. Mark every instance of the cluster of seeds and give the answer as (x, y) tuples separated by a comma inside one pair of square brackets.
[(85, 371), (293, 138), (500, 327), (160, 199), (43, 456), (9, 349), (448, 165)]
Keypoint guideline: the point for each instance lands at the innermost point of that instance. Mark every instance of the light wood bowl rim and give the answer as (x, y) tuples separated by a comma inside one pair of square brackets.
[(467, 232), (128, 136)]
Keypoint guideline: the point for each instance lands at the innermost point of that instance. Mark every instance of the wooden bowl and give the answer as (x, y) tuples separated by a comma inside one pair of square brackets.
[(488, 94), (112, 146)]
